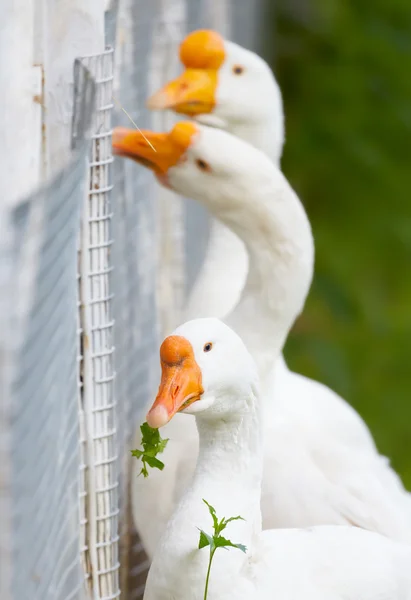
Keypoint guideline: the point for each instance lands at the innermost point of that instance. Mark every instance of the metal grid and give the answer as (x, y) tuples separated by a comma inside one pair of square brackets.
[(42, 417), (82, 92), (99, 494)]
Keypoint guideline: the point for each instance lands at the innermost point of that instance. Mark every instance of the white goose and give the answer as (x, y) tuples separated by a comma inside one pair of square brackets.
[(207, 368), (227, 86), (310, 477)]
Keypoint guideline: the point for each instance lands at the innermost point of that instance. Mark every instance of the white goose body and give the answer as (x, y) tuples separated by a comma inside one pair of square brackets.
[(322, 563), (330, 459), (311, 477), (250, 107)]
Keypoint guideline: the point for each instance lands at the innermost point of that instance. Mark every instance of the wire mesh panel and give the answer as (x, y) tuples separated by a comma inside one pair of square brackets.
[(84, 96), (42, 419), (98, 399)]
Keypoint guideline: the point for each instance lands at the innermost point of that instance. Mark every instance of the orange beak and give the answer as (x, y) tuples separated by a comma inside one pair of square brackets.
[(180, 381), (157, 151), (194, 92)]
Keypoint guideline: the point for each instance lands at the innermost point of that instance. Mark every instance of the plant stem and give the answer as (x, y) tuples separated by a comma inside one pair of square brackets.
[(208, 572)]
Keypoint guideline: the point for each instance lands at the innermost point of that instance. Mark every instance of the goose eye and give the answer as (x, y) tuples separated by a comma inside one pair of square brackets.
[(207, 347), (238, 70), (203, 165)]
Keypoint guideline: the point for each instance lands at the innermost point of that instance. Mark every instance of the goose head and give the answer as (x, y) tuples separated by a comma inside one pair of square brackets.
[(242, 187), (226, 86), (205, 368), (203, 163)]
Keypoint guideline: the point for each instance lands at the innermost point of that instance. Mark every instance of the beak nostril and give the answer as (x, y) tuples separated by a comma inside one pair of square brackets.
[(183, 86), (176, 390)]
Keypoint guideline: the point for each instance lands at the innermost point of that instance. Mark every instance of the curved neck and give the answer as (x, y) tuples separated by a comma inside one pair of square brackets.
[(228, 475), (261, 208), (220, 282), (231, 448), (281, 257)]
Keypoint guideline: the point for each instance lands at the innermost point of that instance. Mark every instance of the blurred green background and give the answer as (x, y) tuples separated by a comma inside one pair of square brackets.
[(344, 67)]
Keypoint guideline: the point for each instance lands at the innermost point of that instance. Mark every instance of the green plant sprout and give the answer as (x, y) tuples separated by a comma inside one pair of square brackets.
[(216, 541), (152, 444)]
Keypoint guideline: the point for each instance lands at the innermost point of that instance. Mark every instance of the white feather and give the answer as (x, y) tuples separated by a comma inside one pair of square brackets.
[(321, 563)]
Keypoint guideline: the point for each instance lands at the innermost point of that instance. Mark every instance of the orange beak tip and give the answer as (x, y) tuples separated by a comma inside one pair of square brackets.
[(118, 134), (117, 139), (157, 417), (158, 101)]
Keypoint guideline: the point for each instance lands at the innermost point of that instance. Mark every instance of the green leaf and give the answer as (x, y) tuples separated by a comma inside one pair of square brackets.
[(144, 471), (216, 541), (238, 518), (221, 542), (221, 526), (213, 515), (152, 444), (150, 436), (162, 445), (137, 453), (151, 439), (205, 540), (154, 463), (150, 452)]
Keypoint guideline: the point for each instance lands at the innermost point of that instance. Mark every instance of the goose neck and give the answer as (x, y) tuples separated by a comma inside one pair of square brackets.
[(231, 448), (277, 234), (228, 475)]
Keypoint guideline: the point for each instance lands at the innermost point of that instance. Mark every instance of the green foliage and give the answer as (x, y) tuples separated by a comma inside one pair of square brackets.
[(152, 444), (343, 66), (216, 540)]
